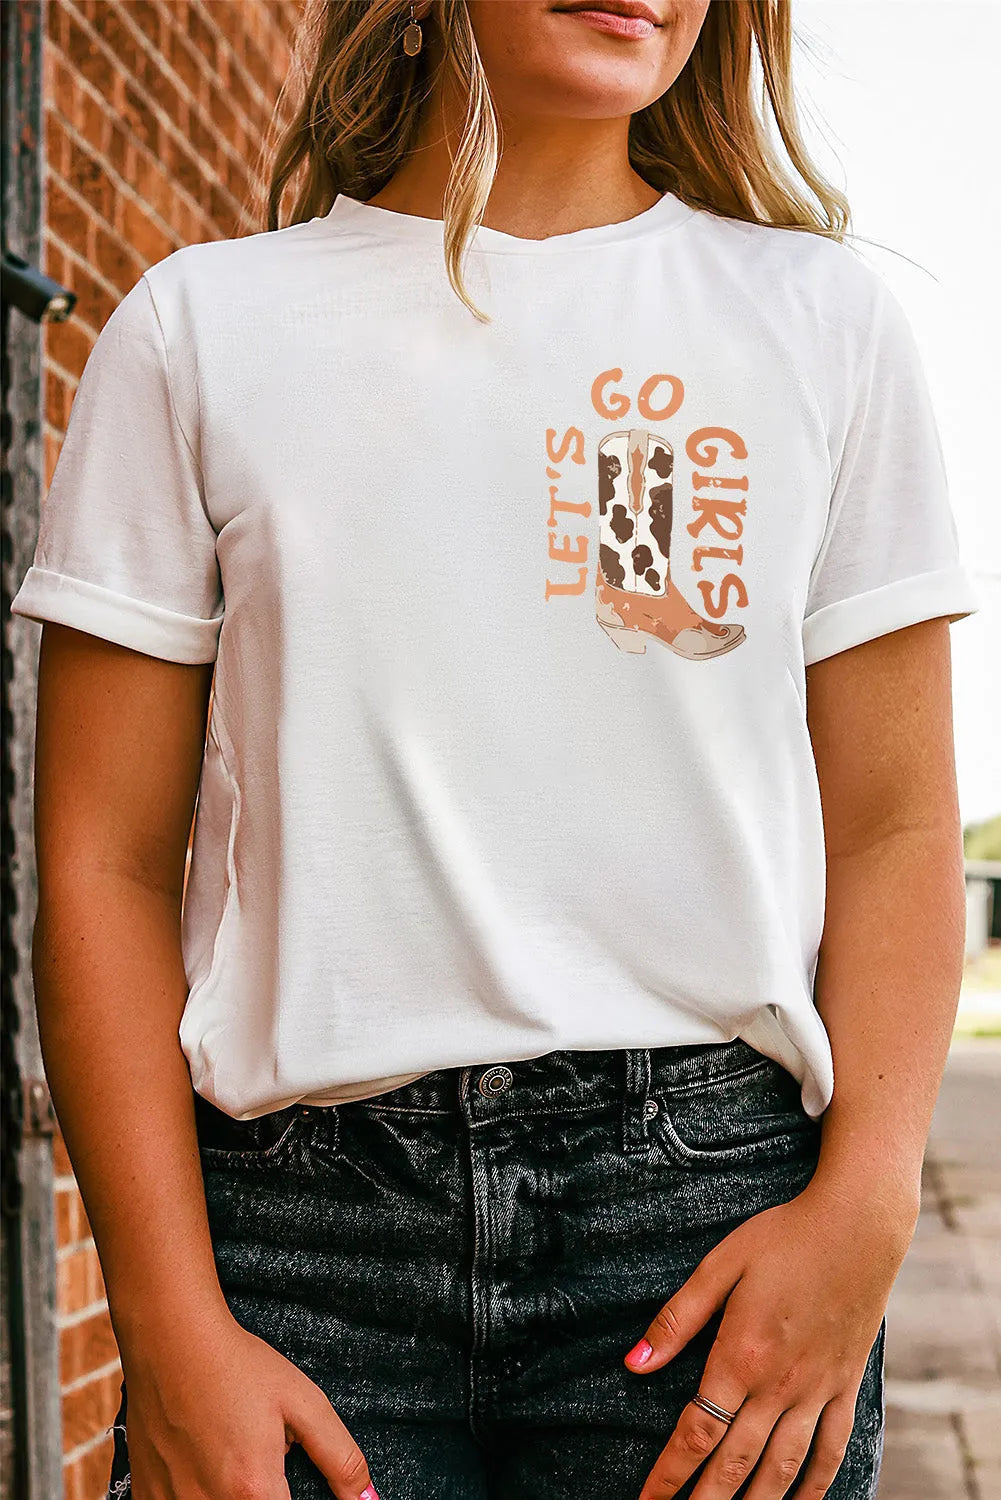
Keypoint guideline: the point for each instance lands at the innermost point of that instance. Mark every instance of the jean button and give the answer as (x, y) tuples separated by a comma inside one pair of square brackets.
[(651, 1109), (495, 1081)]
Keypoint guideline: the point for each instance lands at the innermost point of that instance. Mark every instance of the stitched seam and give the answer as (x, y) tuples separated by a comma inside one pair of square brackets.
[(170, 392), (708, 1085), (400, 1109), (673, 1142), (542, 1113)]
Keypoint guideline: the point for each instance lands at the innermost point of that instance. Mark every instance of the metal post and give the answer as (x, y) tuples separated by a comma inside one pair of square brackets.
[(27, 1187)]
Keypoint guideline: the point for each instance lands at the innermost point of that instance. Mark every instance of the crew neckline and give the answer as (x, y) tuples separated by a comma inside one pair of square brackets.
[(666, 213)]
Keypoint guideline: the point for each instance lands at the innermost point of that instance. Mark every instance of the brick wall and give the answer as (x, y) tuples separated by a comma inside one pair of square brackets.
[(155, 112)]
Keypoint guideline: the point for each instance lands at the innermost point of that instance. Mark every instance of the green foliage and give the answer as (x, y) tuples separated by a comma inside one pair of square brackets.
[(983, 840)]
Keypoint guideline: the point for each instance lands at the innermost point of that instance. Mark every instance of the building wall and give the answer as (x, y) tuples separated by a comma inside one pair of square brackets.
[(155, 114)]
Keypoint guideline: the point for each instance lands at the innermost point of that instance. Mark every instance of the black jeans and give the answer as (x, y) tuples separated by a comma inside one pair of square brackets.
[(462, 1263)]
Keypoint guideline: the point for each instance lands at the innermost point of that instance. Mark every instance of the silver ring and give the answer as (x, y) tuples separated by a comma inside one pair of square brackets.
[(713, 1409)]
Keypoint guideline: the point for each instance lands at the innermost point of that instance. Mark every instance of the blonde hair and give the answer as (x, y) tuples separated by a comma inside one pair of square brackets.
[(708, 139)]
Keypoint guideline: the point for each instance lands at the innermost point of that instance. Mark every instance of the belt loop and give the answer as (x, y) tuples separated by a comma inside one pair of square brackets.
[(635, 1133)]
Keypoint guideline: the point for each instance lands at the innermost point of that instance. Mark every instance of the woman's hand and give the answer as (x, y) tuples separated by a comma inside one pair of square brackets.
[(805, 1286), (211, 1416)]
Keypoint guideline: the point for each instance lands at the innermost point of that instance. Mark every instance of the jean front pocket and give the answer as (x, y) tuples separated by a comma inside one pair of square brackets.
[(225, 1142), (744, 1111)]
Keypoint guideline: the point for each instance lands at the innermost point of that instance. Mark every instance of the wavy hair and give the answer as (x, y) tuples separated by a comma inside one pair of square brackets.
[(711, 139)]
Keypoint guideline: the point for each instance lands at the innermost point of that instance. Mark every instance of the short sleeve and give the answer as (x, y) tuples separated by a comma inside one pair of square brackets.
[(126, 549), (889, 556)]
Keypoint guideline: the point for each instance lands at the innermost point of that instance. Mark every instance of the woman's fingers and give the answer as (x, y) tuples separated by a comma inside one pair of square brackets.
[(681, 1317), (312, 1421), (784, 1455), (731, 1451), (830, 1439)]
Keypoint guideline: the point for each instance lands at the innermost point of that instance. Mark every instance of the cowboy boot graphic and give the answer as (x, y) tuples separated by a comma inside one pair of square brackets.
[(634, 596)]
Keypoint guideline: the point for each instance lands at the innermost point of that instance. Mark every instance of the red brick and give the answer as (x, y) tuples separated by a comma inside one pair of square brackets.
[(149, 19), (88, 176), (56, 25), (73, 1481), (259, 68), (153, 186), (57, 145), (202, 33), (86, 1345), (241, 93), (58, 401), (185, 62), (140, 116), (69, 344), (224, 209), (204, 143), (78, 1280), (145, 237), (115, 261), (68, 217), (54, 262), (113, 29), (187, 169), (93, 122), (89, 1408), (90, 59), (223, 116), (65, 89), (94, 1468), (118, 150), (94, 303)]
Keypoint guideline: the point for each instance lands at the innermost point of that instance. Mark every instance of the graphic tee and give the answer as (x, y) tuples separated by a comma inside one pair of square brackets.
[(511, 622)]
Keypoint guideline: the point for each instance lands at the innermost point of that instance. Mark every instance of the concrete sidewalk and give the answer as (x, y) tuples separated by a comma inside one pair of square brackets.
[(943, 1353)]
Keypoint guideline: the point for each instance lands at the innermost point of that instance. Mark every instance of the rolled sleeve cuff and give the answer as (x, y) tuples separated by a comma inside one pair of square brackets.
[(925, 596), (135, 623)]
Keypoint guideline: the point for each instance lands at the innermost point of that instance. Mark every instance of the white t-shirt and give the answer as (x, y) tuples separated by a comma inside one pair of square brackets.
[(508, 750)]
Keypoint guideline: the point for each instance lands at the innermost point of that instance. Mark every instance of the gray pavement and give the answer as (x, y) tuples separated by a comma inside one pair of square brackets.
[(943, 1352)]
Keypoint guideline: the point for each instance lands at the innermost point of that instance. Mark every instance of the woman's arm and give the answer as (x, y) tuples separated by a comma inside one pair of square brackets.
[(118, 753), (120, 739), (891, 960), (805, 1284)]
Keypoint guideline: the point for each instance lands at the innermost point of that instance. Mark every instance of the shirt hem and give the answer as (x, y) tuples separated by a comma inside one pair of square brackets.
[(924, 596), (135, 623)]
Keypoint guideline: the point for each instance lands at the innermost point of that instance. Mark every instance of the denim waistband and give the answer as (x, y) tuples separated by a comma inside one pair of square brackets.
[(558, 1083), (568, 1082)]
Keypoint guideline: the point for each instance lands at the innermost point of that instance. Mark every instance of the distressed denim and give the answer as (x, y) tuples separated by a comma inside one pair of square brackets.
[(461, 1263)]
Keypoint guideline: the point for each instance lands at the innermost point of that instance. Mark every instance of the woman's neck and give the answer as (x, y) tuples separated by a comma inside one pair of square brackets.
[(555, 175)]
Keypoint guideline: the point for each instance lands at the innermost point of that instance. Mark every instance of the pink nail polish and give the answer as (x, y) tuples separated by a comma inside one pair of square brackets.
[(368, 1493), (640, 1353)]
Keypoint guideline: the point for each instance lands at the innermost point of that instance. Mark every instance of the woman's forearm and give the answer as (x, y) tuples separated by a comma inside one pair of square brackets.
[(887, 987), (110, 988)]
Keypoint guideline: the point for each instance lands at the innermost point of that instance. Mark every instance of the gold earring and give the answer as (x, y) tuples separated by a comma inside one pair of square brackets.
[(413, 37)]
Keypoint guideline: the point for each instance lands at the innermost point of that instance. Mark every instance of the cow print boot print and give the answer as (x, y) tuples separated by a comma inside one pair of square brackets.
[(635, 598)]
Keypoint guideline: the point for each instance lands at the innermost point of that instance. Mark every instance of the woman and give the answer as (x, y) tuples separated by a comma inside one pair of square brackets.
[(536, 1095)]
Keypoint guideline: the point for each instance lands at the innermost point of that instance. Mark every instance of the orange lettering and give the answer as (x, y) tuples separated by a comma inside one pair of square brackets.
[(573, 436), (717, 482), (731, 581), (616, 405), (567, 552), (735, 554), (715, 513), (568, 588), (660, 413), (584, 509), (706, 454)]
